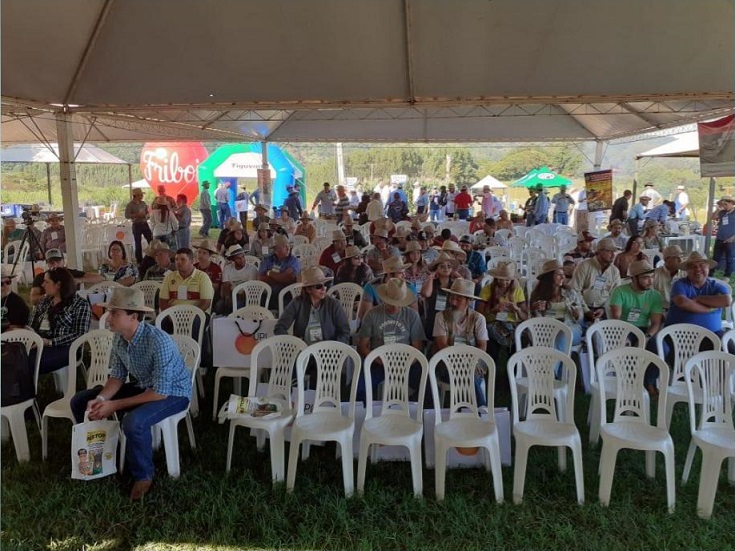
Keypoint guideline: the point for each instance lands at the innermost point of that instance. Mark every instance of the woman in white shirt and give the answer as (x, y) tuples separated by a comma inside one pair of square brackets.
[(164, 223)]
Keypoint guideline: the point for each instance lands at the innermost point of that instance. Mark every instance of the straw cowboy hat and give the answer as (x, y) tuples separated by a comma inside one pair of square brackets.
[(236, 226), (548, 267), (338, 235), (6, 272), (385, 224), (279, 240), (614, 223), (463, 288), (453, 249), (413, 246), (403, 232), (264, 227), (504, 270), (673, 250), (728, 199), (695, 257), (639, 267), (260, 207), (156, 246), (233, 251), (127, 298), (606, 244), (429, 228), (313, 275), (396, 293), (650, 224), (305, 216), (352, 251), (380, 233), (443, 258), (207, 245), (394, 264), (416, 225)]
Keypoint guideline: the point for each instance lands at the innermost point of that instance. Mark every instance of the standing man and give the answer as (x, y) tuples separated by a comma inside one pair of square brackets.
[(530, 207), (222, 196), (450, 207), (681, 204), (637, 214), (162, 196), (293, 204), (487, 202), (620, 207), (656, 197), (243, 207), (161, 387), (205, 207), (541, 207), (375, 208), (562, 202), (422, 201), (582, 222), (724, 250), (343, 203), (463, 203), (137, 212), (326, 200)]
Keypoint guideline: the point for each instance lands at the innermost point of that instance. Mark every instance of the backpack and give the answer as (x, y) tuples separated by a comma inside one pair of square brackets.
[(16, 375)]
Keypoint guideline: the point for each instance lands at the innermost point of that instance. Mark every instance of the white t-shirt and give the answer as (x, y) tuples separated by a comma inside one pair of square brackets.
[(232, 275)]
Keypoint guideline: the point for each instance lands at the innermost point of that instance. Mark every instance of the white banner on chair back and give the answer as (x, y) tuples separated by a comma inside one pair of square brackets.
[(234, 340), (468, 457), (94, 449)]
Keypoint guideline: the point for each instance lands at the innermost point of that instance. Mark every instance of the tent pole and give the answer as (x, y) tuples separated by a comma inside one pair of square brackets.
[(710, 202), (266, 190), (130, 179), (48, 182), (598, 154), (69, 196)]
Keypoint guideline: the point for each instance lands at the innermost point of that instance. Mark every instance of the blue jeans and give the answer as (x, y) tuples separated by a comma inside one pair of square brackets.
[(435, 215), (463, 214), (141, 229), (561, 218), (136, 424), (183, 237), (223, 212), (725, 252), (206, 222)]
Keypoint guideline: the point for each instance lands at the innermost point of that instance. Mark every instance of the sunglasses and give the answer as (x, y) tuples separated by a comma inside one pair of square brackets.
[(318, 286), (7, 281), (444, 266)]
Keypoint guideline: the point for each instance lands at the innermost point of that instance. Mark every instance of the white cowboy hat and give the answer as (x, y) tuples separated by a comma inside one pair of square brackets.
[(463, 288)]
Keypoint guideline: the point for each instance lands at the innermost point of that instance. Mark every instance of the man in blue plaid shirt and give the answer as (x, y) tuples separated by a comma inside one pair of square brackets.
[(160, 383)]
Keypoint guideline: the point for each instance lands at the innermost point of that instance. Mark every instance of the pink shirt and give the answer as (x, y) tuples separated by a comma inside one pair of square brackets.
[(488, 204)]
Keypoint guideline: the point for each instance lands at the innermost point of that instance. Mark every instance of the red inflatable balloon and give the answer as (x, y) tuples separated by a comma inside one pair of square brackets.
[(174, 166)]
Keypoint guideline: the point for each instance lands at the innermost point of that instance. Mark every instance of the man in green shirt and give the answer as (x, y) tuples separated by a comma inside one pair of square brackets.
[(638, 302)]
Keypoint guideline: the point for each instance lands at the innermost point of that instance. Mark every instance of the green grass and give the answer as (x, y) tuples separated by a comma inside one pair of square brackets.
[(42, 508)]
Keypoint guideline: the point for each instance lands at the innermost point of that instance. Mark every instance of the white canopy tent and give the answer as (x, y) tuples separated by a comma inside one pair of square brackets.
[(491, 182), (48, 154), (384, 70)]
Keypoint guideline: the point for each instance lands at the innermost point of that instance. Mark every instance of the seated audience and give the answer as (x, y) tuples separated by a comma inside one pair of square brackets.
[(306, 227), (163, 265), (475, 260), (651, 239), (118, 268), (353, 268), (616, 234), (380, 251), (14, 312), (186, 284), (503, 303), (595, 278), (632, 252), (236, 271), (333, 255), (664, 276), (279, 269), (418, 270), (204, 262), (60, 317), (55, 259), (54, 236)]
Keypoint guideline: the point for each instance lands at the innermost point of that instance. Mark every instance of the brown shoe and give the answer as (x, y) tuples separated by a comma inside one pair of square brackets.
[(140, 488)]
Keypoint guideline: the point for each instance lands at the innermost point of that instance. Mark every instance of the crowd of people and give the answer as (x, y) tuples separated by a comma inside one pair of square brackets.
[(425, 288)]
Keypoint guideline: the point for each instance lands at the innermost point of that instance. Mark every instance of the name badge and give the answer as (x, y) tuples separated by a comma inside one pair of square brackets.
[(181, 292), (315, 334), (45, 325), (336, 258), (441, 302), (725, 220), (275, 269), (54, 235), (264, 249), (389, 338), (634, 315), (501, 316), (459, 339), (599, 283)]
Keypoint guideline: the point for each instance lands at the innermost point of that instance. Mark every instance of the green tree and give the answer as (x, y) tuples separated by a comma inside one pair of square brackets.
[(463, 170)]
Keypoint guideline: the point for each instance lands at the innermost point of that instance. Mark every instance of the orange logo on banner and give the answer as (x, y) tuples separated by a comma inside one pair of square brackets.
[(245, 342), (120, 235), (467, 451)]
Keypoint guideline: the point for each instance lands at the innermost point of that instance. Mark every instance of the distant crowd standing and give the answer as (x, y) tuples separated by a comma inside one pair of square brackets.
[(420, 286)]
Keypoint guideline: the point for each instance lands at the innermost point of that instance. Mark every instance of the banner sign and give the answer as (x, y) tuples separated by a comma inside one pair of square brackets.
[(598, 186), (717, 147)]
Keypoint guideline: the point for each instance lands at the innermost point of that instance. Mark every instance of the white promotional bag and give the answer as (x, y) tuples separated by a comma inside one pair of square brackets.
[(94, 449)]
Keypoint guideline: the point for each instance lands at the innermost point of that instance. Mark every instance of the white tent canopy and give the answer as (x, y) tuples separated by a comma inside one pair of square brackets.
[(49, 153), (685, 145), (490, 181)]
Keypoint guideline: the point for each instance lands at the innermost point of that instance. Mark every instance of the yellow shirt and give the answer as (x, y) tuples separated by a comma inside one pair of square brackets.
[(518, 296), (191, 290)]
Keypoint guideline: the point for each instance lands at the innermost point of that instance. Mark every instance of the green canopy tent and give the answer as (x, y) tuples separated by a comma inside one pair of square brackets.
[(544, 176)]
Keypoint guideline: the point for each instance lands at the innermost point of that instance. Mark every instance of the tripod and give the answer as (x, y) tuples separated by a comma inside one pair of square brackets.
[(33, 244)]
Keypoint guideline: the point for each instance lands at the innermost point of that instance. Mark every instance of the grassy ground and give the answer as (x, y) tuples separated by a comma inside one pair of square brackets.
[(207, 509)]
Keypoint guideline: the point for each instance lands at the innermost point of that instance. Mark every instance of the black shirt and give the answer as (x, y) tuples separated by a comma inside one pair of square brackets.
[(619, 207), (14, 311)]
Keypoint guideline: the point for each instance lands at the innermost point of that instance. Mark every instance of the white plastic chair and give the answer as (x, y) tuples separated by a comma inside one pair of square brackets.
[(99, 342), (349, 295), (322, 243), (252, 312), (103, 320), (9, 257), (709, 377), (103, 287), (394, 426), (13, 417), (727, 339), (251, 260), (497, 252), (504, 234), (631, 427), (604, 336), (150, 291), (544, 332), (516, 245), (283, 351), (182, 317), (300, 240), (465, 427), (548, 421), (326, 422), (686, 341), (167, 429), (531, 260), (256, 292), (287, 294)]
